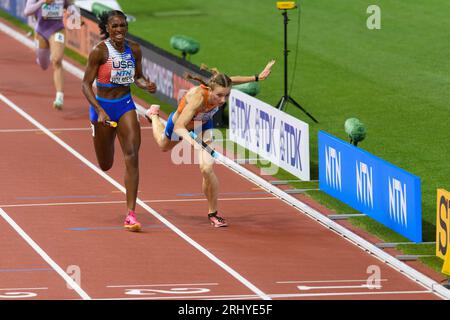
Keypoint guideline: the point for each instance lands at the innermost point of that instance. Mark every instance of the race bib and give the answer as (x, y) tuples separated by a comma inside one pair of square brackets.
[(59, 37), (122, 72), (54, 10)]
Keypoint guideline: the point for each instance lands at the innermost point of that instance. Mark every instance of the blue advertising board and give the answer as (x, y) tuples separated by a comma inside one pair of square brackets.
[(14, 8), (371, 185)]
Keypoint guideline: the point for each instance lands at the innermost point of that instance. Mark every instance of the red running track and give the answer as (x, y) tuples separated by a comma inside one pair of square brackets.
[(75, 215)]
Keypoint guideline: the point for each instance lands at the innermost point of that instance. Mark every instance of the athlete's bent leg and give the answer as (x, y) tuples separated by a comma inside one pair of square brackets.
[(103, 137), (42, 52), (43, 58), (158, 129)]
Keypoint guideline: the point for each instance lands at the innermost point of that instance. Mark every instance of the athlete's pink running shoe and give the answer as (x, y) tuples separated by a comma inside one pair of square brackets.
[(131, 223), (216, 221)]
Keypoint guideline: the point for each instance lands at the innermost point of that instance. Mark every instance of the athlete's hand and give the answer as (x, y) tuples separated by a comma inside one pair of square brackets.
[(265, 73), (151, 87), (103, 117), (146, 84)]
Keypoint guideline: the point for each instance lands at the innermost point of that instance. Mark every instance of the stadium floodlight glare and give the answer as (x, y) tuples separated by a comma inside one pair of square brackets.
[(286, 5)]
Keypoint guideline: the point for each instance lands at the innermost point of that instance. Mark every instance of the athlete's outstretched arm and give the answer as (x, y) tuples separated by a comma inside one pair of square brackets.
[(261, 76), (32, 6)]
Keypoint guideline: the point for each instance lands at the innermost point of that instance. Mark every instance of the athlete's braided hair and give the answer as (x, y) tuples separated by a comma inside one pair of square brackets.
[(104, 18), (217, 79)]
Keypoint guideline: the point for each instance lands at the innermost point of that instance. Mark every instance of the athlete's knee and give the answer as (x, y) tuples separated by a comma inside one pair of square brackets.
[(57, 62), (131, 154), (206, 169), (43, 58), (105, 165)]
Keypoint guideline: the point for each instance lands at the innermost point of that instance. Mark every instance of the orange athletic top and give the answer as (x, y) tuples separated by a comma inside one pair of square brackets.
[(204, 114)]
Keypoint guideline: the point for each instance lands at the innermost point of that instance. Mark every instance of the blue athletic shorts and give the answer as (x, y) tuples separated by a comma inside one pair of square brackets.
[(113, 108), (174, 137)]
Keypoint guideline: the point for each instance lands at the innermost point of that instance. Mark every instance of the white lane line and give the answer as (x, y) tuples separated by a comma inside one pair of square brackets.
[(37, 130), (59, 204), (218, 297), (175, 229), (275, 296), (243, 297), (368, 286), (15, 289), (327, 281), (44, 255), (122, 201), (163, 285), (51, 129), (336, 294), (220, 199)]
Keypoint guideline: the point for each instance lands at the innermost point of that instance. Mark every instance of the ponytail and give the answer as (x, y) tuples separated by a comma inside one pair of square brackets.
[(189, 76), (214, 71), (217, 79)]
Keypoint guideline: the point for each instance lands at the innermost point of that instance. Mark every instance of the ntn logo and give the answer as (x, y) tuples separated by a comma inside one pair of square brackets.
[(364, 183), (333, 167), (398, 201)]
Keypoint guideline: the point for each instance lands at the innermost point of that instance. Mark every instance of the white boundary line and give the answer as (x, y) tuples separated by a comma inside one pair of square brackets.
[(218, 297), (336, 294), (325, 281), (45, 256), (37, 130), (164, 285), (16, 289), (123, 201), (60, 204), (276, 296), (180, 233), (367, 286), (302, 207), (51, 129)]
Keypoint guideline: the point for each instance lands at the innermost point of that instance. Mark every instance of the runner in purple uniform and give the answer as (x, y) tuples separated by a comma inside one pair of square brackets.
[(50, 39)]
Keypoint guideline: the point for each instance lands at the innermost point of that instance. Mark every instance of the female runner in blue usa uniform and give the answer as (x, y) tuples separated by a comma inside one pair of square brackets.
[(116, 63)]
